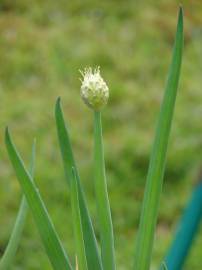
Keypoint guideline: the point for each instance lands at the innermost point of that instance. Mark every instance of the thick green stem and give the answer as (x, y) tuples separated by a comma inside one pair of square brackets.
[(103, 207)]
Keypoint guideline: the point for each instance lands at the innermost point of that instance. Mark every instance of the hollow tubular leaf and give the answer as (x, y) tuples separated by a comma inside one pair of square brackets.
[(154, 181), (11, 249), (91, 248), (102, 200), (50, 239), (76, 216)]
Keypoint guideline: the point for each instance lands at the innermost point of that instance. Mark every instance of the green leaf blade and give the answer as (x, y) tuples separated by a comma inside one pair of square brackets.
[(76, 216), (91, 247), (155, 175), (50, 239), (11, 249)]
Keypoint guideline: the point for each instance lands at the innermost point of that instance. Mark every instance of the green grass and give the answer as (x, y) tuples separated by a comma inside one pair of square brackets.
[(42, 47)]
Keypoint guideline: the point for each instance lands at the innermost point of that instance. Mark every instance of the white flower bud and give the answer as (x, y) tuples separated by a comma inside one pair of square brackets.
[(94, 90)]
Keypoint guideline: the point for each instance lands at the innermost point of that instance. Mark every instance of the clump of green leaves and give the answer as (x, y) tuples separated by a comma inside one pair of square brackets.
[(95, 94)]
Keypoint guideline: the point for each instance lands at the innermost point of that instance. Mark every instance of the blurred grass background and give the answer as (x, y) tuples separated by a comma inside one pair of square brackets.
[(43, 44)]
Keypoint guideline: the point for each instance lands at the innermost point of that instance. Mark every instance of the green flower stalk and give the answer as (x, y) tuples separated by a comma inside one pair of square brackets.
[(95, 94)]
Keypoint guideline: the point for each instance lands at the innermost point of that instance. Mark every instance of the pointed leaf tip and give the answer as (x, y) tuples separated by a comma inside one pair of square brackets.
[(34, 142), (57, 106), (6, 131), (73, 171), (180, 16), (7, 135), (58, 100)]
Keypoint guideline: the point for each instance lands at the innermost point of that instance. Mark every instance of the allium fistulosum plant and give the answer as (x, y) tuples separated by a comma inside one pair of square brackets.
[(90, 254)]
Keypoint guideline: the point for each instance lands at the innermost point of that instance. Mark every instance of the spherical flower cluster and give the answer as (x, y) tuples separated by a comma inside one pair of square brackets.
[(94, 90)]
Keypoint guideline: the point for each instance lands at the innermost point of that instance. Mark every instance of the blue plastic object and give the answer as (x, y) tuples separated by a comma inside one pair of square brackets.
[(186, 231)]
